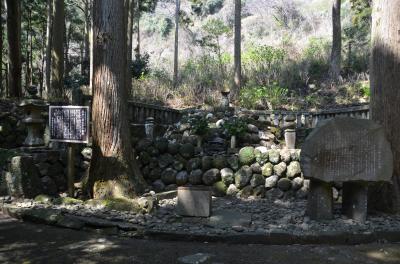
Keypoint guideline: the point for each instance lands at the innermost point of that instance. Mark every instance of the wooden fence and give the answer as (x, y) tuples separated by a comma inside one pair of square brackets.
[(311, 119)]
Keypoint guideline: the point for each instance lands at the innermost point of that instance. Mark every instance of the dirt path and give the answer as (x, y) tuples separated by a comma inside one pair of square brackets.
[(31, 243)]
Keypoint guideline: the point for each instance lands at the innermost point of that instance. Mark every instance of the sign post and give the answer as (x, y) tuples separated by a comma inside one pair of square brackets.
[(69, 124)]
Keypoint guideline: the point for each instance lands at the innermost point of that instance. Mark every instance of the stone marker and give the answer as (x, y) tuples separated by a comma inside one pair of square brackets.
[(194, 201), (347, 150)]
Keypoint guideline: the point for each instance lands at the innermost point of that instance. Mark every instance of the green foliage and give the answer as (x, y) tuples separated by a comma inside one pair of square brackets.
[(316, 56), (140, 66), (207, 7), (235, 126), (263, 64), (365, 89), (199, 125), (157, 24), (272, 95)]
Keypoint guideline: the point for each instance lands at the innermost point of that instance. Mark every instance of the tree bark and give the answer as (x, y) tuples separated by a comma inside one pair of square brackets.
[(57, 51), (336, 55), (86, 43), (14, 47), (130, 20), (49, 36), (176, 51), (385, 93), (137, 49), (237, 49), (113, 173), (2, 89)]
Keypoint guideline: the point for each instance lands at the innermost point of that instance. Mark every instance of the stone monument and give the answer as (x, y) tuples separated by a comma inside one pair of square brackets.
[(351, 151)]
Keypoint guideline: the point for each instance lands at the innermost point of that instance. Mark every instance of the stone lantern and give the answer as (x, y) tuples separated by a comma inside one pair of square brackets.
[(33, 107), (225, 97)]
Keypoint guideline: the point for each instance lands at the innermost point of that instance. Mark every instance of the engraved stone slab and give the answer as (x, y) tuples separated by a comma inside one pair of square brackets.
[(347, 149), (194, 201)]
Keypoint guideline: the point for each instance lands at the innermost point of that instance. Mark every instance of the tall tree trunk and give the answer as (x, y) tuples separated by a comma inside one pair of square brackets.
[(130, 20), (28, 62), (237, 51), (137, 49), (176, 53), (57, 51), (49, 37), (112, 172), (14, 47), (86, 43), (336, 55), (2, 88), (385, 92)]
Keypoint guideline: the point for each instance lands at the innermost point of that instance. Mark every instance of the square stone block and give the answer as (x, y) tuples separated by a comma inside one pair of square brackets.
[(194, 201)]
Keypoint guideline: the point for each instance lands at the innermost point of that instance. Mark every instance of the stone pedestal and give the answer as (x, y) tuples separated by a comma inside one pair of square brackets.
[(290, 138), (194, 201), (320, 201), (355, 201), (149, 128)]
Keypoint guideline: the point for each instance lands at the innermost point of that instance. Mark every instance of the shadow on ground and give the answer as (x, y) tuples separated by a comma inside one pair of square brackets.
[(32, 243)]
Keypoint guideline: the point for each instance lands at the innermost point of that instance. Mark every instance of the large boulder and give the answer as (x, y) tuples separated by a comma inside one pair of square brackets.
[(280, 168), (23, 179), (227, 176), (285, 155), (284, 184), (246, 156), (211, 176), (233, 162), (182, 178), (193, 164), (173, 148), (257, 180), (219, 162), (162, 145), (267, 170), (168, 176), (293, 169), (271, 181), (232, 190), (206, 162), (243, 176), (274, 156), (187, 151), (219, 189), (165, 160), (195, 177)]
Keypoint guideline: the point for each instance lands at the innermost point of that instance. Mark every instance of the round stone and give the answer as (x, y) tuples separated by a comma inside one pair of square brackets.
[(271, 181), (227, 176), (211, 176), (195, 177), (280, 169), (168, 176), (182, 178), (246, 155), (243, 176), (293, 169), (284, 184)]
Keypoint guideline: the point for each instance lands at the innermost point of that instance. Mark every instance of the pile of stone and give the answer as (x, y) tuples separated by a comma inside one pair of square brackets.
[(12, 130), (251, 172), (25, 175)]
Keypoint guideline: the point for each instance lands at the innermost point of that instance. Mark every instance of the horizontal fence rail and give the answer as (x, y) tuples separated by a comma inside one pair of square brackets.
[(311, 119), (164, 116)]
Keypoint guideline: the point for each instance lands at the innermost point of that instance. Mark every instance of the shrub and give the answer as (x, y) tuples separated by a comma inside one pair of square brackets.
[(272, 96), (235, 127), (140, 66), (199, 125)]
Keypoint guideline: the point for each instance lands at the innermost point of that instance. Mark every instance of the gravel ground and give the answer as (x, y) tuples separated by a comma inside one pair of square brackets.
[(234, 216)]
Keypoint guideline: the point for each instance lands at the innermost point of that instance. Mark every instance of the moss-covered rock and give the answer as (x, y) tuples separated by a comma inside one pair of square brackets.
[(67, 201), (233, 162), (274, 156), (267, 169), (246, 155), (43, 198), (243, 176), (219, 162), (187, 151), (293, 169), (219, 189), (206, 163)]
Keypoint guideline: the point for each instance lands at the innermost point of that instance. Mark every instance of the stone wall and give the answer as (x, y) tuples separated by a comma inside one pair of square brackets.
[(12, 130)]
